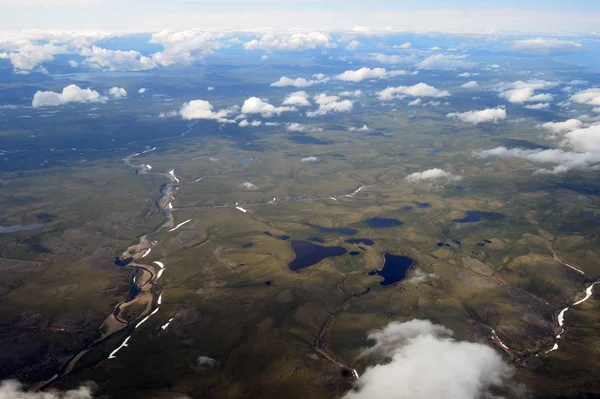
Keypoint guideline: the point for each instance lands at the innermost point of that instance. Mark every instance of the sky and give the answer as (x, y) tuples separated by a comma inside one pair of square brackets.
[(548, 16)]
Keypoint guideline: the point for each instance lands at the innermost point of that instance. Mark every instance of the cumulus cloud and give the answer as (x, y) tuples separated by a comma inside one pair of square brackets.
[(299, 127), (329, 104), (69, 94), (393, 58), (446, 62), (404, 46), (364, 128), (419, 276), (368, 73), (353, 45), (520, 92), (310, 159), (291, 42), (300, 82), (298, 98), (432, 175), (470, 85), (142, 90), (429, 363), (545, 46), (538, 106), (355, 93), (12, 389), (116, 60), (414, 102), (564, 160), (418, 90), (201, 109), (476, 117), (245, 123), (255, 105), (205, 363), (562, 127), (73, 63), (248, 186), (117, 92), (28, 56), (185, 47), (589, 97)]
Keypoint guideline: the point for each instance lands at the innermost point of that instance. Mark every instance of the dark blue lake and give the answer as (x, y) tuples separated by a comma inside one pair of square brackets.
[(394, 269), (476, 216), (377, 223), (308, 254), (316, 239), (422, 204)]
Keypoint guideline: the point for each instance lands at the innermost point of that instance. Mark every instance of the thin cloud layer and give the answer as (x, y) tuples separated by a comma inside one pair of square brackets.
[(300, 82), (446, 62), (12, 389), (368, 73), (291, 42), (476, 117), (418, 90), (421, 360), (545, 46)]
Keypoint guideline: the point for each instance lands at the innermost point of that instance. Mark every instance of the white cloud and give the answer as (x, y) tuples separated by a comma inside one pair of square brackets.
[(583, 139), (562, 127), (353, 45), (117, 60), (393, 59), (210, 88), (255, 105), (201, 109), (248, 186), (69, 94), (291, 42), (404, 46), (185, 47), (310, 159), (419, 276), (329, 104), (538, 106), (519, 92), (271, 123), (421, 360), (298, 98), (589, 97), (565, 160), (465, 75), (545, 46), (117, 92), (368, 73), (73, 63), (168, 114), (414, 103), (204, 363), (12, 389), (245, 123), (418, 90), (27, 56), (298, 127), (364, 128), (432, 175), (435, 48), (446, 61), (355, 93), (300, 82), (142, 90), (476, 117), (470, 85)]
